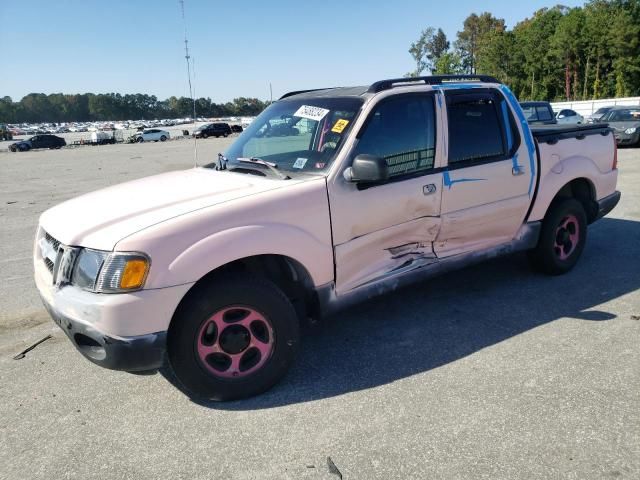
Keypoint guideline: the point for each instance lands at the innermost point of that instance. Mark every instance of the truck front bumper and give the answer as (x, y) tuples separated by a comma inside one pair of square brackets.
[(121, 331), (132, 354)]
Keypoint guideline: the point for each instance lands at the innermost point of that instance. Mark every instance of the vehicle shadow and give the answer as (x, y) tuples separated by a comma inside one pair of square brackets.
[(439, 321)]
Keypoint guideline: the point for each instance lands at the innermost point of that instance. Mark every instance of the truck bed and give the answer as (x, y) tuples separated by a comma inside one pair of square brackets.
[(553, 133)]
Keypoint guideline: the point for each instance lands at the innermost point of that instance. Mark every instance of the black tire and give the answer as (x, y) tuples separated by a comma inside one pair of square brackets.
[(140, 140), (13, 149), (225, 135), (204, 135), (234, 289), (546, 257), (163, 138)]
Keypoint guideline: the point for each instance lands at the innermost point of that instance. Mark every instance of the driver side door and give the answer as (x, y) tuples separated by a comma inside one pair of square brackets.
[(36, 142), (385, 230)]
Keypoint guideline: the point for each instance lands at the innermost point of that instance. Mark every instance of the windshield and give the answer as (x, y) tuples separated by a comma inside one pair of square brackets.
[(296, 135), (629, 115)]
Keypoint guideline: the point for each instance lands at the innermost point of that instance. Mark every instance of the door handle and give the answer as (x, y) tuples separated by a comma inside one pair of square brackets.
[(429, 189)]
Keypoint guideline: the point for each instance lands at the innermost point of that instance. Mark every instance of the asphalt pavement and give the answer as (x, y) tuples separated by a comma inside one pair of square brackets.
[(490, 372)]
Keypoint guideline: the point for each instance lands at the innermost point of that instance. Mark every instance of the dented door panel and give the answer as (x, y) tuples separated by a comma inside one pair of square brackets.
[(390, 251), (388, 229), (480, 227)]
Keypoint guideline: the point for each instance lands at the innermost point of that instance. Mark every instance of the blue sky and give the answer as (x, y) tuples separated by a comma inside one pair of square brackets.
[(73, 46)]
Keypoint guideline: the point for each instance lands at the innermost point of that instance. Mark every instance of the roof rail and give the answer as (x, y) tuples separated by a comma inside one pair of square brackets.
[(296, 92), (431, 80)]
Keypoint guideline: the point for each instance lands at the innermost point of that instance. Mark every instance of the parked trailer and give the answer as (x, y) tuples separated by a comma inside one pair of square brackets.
[(98, 138), (102, 138)]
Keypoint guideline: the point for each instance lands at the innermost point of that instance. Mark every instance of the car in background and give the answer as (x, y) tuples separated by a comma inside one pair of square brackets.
[(213, 130), (568, 116), (39, 141), (598, 114), (236, 128), (152, 135), (538, 113), (625, 122), (5, 132)]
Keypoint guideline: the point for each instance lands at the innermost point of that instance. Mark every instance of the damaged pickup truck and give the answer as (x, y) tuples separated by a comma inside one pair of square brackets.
[(209, 272)]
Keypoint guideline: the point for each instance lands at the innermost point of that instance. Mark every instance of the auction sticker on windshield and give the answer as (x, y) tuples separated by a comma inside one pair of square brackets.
[(300, 163), (340, 125), (310, 112)]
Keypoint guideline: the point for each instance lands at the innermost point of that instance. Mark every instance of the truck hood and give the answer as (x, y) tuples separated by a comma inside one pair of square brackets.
[(102, 218)]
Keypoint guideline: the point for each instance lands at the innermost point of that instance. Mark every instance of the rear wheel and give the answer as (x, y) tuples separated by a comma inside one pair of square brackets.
[(140, 140), (233, 338), (562, 239)]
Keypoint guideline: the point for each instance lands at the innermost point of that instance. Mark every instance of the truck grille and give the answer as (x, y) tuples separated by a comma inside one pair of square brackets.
[(49, 253), (49, 264), (52, 241)]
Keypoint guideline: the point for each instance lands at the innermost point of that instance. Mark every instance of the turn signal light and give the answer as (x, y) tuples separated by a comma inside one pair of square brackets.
[(134, 273)]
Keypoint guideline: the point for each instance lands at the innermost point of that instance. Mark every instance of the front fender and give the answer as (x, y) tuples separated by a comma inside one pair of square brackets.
[(240, 242)]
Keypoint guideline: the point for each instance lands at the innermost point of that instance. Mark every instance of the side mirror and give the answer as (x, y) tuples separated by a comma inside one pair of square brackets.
[(367, 169)]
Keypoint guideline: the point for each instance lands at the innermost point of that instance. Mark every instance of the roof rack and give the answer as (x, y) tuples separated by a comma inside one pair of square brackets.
[(431, 80), (296, 92)]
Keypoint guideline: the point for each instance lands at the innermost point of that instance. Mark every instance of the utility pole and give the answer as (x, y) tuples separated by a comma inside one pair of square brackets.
[(187, 57)]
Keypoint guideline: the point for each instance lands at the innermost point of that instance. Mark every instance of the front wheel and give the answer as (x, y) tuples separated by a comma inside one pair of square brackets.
[(140, 140), (562, 239), (232, 338), (163, 138)]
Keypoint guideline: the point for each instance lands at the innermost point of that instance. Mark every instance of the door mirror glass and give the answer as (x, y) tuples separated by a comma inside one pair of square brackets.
[(367, 169)]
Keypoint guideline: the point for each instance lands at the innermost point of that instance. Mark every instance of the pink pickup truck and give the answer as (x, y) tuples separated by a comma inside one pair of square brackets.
[(328, 198)]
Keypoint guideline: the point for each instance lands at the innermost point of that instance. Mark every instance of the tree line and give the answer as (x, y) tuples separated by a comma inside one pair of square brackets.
[(559, 53), (58, 107)]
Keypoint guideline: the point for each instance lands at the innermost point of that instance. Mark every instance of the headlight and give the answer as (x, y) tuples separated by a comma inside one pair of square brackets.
[(630, 131), (87, 268), (110, 272)]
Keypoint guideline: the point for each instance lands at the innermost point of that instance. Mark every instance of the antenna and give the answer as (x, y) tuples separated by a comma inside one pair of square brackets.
[(187, 57)]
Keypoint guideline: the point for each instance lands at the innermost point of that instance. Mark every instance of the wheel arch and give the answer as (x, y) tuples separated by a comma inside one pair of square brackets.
[(287, 273), (581, 188)]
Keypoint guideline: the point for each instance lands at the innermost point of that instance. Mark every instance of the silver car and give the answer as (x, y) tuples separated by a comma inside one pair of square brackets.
[(625, 122)]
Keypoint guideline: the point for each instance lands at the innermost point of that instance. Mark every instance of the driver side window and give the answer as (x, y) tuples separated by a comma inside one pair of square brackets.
[(402, 131)]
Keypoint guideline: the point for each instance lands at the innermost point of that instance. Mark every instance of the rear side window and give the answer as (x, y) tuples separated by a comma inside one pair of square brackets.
[(402, 131), (544, 114), (481, 128)]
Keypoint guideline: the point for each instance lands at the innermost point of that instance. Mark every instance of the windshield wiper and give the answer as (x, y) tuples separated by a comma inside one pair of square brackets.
[(273, 167)]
